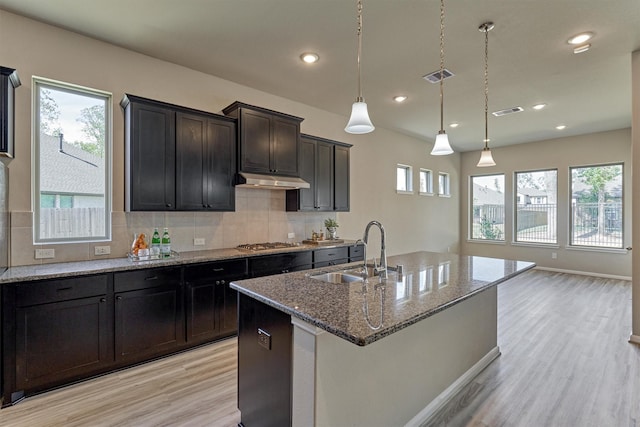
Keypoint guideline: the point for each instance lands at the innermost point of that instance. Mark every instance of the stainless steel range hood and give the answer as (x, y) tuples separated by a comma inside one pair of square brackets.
[(272, 182)]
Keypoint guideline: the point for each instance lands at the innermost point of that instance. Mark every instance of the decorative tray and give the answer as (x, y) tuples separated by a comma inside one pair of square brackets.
[(149, 257), (323, 242)]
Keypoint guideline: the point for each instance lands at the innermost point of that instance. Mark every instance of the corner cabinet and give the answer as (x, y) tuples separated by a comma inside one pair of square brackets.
[(324, 164), (268, 141), (9, 80), (177, 158)]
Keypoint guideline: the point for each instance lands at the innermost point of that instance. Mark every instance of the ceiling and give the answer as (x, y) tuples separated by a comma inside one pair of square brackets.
[(257, 43)]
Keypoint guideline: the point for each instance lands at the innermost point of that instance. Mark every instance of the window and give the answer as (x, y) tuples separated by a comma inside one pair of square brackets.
[(596, 206), (72, 157), (536, 206), (404, 182), (443, 184), (487, 207), (426, 181)]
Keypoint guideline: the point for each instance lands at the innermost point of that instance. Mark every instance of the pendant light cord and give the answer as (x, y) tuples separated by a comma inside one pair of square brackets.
[(486, 88), (360, 99), (441, 65)]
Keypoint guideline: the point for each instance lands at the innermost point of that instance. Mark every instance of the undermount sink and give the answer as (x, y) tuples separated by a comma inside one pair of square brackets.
[(337, 277)]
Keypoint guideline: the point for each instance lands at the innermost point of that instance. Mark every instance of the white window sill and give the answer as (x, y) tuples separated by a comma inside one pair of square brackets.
[(404, 192), (597, 249), (536, 245), (426, 194), (490, 242)]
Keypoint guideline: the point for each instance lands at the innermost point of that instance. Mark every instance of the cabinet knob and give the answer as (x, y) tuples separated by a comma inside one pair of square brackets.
[(118, 297), (222, 282), (103, 300), (168, 205)]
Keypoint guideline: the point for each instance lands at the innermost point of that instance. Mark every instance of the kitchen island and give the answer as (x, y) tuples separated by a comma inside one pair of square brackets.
[(374, 352)]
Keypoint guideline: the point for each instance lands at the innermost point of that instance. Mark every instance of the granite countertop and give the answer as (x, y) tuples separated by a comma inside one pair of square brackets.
[(366, 312), (70, 269)]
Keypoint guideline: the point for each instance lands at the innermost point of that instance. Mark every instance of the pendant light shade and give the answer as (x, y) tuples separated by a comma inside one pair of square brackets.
[(486, 159), (359, 122), (441, 147)]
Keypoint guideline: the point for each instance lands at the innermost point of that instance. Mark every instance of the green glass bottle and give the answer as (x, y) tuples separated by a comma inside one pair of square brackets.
[(155, 243), (165, 244)]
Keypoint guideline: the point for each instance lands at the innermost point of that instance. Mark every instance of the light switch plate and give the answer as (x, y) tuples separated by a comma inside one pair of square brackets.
[(264, 339), (102, 250), (198, 241), (291, 235), (45, 253)]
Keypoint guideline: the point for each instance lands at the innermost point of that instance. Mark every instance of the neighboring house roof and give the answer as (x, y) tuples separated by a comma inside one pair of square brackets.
[(73, 171), (532, 192), (486, 196)]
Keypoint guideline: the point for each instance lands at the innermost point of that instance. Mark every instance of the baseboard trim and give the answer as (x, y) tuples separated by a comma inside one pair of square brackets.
[(436, 405), (634, 339), (583, 273)]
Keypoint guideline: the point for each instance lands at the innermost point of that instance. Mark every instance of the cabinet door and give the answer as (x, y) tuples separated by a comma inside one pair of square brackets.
[(324, 176), (284, 146), (191, 165), (148, 322), (255, 141), (227, 307), (8, 82), (61, 341), (202, 322), (306, 196), (151, 158), (341, 185), (220, 152)]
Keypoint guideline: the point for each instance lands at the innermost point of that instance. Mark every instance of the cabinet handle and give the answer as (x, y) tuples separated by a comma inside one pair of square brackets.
[(118, 298), (103, 300), (217, 270), (64, 289), (168, 205), (331, 254), (222, 282), (217, 282), (151, 278)]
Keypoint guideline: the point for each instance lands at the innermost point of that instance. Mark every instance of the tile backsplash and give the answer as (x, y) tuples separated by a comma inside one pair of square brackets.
[(259, 217)]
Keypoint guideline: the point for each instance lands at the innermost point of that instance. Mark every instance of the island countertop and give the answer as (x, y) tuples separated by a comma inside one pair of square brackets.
[(364, 312)]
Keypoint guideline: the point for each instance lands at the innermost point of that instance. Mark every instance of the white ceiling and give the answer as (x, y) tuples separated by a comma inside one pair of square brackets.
[(257, 43)]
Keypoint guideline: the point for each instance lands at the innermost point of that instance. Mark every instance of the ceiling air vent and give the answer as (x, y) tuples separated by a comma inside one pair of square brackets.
[(507, 111), (434, 77)]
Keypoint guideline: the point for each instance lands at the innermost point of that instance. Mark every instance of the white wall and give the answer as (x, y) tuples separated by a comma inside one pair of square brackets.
[(561, 153), (34, 48)]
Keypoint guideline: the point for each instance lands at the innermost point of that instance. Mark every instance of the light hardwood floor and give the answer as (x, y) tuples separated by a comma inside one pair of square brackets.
[(565, 362)]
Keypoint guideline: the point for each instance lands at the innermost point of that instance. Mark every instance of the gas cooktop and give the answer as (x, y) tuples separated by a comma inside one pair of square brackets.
[(253, 247)]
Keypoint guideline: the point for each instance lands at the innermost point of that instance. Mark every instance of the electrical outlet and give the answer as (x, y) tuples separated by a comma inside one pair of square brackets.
[(198, 241), (102, 250), (554, 255), (291, 235), (45, 253)]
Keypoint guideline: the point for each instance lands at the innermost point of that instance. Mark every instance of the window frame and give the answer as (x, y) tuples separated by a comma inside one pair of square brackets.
[(471, 214), (429, 174), (42, 82), (408, 179), (515, 210), (447, 192), (570, 213)]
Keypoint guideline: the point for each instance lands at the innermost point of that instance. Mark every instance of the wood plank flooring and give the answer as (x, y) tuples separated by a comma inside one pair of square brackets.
[(565, 362)]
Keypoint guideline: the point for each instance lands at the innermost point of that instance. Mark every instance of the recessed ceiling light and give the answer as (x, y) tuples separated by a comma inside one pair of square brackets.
[(560, 127), (454, 125), (582, 48), (309, 57), (580, 38), (400, 98), (539, 106)]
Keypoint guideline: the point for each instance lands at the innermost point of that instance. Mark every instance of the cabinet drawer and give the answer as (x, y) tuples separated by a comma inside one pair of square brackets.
[(281, 263), (330, 254), (143, 279), (356, 253), (232, 269), (60, 290)]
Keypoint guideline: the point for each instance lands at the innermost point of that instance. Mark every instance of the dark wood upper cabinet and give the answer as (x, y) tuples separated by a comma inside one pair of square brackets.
[(9, 80), (268, 141), (324, 164), (205, 162), (177, 158)]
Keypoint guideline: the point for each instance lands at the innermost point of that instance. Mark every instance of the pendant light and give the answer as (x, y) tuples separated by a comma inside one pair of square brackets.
[(359, 122), (441, 146), (486, 159)]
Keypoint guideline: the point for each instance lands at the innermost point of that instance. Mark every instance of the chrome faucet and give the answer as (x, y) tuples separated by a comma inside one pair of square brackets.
[(378, 270)]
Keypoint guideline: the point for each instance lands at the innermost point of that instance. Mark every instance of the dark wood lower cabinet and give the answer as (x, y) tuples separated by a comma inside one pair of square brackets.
[(265, 337)]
